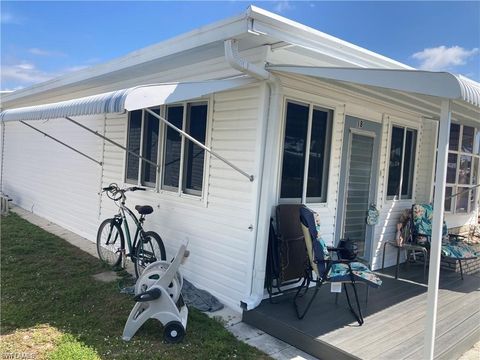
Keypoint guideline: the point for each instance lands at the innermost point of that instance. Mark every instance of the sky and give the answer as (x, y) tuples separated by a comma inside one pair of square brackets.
[(42, 40)]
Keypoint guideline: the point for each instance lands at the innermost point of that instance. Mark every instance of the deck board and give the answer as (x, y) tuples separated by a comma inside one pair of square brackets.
[(394, 319), (451, 306)]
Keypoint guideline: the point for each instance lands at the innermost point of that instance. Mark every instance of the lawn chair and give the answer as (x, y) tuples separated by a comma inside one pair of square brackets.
[(286, 250), (328, 269), (452, 245)]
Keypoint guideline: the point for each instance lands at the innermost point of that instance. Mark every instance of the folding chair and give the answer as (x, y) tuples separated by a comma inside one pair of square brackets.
[(286, 250), (421, 234), (328, 269)]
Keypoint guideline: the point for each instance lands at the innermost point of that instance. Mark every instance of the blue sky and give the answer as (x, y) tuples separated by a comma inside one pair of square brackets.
[(41, 40)]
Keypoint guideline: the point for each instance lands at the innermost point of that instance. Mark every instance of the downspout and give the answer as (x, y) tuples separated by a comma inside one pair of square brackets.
[(266, 194)]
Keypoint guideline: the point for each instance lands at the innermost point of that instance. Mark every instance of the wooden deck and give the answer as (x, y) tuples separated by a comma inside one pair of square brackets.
[(394, 319)]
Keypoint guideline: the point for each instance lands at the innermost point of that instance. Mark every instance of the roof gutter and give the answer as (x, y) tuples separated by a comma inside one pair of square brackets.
[(238, 63), (267, 166)]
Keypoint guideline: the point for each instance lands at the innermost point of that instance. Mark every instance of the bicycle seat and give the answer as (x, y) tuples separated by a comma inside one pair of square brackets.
[(144, 209)]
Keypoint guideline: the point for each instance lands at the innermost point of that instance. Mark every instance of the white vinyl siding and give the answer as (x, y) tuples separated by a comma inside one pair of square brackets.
[(51, 180), (217, 227), (426, 149)]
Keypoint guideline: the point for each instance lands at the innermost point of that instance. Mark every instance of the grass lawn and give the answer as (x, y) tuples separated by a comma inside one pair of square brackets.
[(52, 308)]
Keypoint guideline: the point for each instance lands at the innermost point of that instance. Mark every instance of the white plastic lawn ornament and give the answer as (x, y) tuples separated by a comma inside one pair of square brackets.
[(158, 296)]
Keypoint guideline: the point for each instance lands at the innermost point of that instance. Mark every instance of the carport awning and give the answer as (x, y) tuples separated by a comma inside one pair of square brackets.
[(441, 84), (130, 99)]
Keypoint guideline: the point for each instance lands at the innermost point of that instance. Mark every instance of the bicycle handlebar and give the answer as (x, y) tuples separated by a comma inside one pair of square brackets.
[(113, 190)]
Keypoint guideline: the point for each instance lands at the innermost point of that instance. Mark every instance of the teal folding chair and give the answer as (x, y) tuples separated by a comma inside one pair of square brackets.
[(452, 246)]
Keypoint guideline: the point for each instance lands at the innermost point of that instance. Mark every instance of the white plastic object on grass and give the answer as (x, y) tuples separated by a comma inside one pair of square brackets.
[(158, 296)]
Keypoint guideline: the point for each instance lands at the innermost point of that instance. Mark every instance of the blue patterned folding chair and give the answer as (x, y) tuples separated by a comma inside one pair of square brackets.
[(452, 245), (327, 269)]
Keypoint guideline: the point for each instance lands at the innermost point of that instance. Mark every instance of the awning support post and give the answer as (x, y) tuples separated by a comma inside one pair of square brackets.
[(198, 143), (437, 229), (62, 143), (112, 142)]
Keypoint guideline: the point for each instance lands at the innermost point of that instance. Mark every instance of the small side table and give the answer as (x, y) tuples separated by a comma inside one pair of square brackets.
[(407, 247)]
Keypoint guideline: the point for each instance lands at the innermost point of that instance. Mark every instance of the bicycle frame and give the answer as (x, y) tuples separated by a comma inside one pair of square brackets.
[(122, 211)]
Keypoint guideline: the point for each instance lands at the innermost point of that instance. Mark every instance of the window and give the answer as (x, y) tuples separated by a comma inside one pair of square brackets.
[(401, 167), (182, 161), (143, 136), (306, 150), (462, 168)]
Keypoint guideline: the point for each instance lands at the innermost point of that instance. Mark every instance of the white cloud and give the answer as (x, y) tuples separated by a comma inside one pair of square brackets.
[(25, 66), (27, 73), (43, 52), (24, 72), (9, 90), (282, 6), (443, 58), (9, 18)]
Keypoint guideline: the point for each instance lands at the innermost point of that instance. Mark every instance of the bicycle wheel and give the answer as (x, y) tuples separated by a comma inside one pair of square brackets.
[(110, 242), (149, 249)]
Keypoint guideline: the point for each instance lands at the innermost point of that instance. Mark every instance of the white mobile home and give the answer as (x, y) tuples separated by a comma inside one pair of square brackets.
[(292, 111)]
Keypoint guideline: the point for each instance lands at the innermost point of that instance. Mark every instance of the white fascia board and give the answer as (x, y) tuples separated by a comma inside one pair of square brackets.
[(265, 22), (219, 31)]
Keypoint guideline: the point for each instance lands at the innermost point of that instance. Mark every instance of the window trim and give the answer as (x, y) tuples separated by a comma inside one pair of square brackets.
[(140, 171), (181, 189), (456, 185), (387, 164), (331, 111), (158, 187), (150, 184), (186, 148), (126, 180)]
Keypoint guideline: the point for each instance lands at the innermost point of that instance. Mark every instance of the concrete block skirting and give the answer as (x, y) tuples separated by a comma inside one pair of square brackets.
[(469, 266)]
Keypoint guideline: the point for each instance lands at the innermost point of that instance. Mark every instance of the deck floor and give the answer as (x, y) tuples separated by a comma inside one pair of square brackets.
[(394, 319)]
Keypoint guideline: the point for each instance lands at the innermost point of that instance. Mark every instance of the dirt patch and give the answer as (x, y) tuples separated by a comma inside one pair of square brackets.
[(107, 276), (31, 343)]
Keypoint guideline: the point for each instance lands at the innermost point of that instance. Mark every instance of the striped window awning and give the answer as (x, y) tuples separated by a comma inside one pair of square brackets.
[(130, 99)]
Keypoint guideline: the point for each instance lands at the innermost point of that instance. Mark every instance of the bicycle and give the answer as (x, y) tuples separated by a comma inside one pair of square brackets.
[(147, 246)]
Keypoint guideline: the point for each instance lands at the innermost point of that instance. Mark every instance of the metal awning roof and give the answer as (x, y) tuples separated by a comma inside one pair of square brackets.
[(130, 99), (439, 84)]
